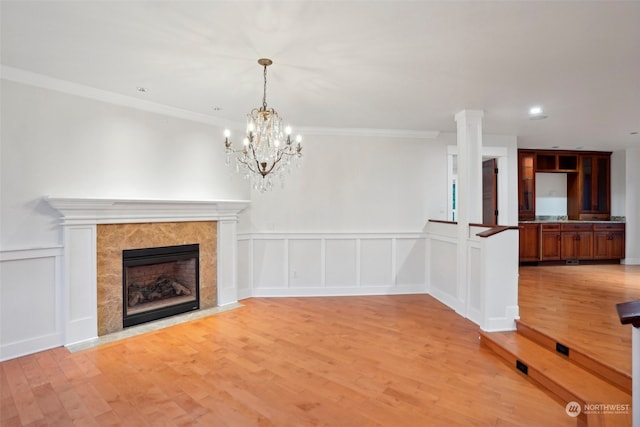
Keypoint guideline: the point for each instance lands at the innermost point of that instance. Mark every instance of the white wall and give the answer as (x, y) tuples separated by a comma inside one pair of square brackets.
[(64, 145), (350, 220), (357, 184), (632, 255)]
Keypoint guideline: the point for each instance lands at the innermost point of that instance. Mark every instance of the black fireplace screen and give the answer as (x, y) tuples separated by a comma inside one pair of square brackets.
[(159, 282)]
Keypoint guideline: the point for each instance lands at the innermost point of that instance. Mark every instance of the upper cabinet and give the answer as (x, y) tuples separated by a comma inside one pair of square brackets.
[(588, 182), (588, 192), (556, 161), (526, 185)]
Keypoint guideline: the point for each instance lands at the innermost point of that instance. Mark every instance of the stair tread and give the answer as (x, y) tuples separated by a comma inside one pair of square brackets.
[(578, 356), (587, 387)]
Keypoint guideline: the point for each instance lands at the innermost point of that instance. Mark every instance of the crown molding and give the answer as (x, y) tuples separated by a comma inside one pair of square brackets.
[(46, 82), (39, 80), (383, 133)]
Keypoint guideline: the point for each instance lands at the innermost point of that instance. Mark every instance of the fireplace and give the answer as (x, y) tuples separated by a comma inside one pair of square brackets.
[(159, 282)]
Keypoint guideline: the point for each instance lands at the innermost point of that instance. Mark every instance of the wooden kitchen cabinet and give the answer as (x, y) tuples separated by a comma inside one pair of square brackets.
[(576, 241), (608, 241), (529, 242), (571, 241), (550, 242), (588, 191), (556, 161), (526, 185)]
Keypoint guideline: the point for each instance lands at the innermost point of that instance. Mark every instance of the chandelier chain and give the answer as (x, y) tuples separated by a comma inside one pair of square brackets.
[(264, 93)]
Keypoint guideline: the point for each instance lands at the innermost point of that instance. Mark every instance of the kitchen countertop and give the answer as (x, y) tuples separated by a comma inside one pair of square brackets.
[(571, 221)]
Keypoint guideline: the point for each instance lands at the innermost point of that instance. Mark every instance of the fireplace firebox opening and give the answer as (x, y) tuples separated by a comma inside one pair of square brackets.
[(159, 282)]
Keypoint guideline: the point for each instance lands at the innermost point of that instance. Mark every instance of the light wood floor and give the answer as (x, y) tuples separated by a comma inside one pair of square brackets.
[(576, 306), (347, 361)]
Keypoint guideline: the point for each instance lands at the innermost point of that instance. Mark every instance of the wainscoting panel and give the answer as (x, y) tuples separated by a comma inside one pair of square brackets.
[(410, 261), (377, 262), (30, 284), (341, 263), (244, 268), (270, 263), (305, 263), (443, 271), (302, 264), (474, 308)]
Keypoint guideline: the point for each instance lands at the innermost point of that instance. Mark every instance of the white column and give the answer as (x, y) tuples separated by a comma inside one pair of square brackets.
[(469, 132), (227, 262), (80, 284), (469, 209)]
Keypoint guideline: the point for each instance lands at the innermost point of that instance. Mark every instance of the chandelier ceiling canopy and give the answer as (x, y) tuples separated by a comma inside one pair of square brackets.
[(267, 151)]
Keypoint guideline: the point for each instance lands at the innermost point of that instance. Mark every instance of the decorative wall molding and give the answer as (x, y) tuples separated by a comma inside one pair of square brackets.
[(46, 82), (30, 285), (365, 132), (30, 253), (331, 264), (487, 290), (39, 80)]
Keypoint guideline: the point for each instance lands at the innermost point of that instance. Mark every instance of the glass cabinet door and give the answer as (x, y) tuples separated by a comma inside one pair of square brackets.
[(587, 183), (526, 186)]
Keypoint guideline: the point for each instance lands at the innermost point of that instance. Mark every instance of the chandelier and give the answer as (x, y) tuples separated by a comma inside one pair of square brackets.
[(268, 149)]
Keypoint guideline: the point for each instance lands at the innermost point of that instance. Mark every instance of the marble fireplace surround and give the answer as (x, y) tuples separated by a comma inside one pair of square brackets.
[(137, 222)]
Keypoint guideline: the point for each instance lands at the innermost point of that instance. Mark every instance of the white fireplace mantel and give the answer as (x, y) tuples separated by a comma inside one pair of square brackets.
[(79, 211), (79, 218)]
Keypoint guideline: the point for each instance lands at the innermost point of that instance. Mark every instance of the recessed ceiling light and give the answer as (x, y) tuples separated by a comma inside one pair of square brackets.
[(556, 146), (579, 148), (141, 89), (216, 108), (536, 113)]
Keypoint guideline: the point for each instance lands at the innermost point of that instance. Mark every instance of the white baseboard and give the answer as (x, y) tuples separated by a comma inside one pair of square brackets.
[(33, 345), (342, 291), (448, 300)]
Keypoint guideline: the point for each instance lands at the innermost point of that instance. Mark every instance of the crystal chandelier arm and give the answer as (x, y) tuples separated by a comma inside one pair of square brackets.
[(259, 166)]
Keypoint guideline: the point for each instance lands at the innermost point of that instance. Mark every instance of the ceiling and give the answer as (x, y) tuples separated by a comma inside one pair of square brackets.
[(392, 65)]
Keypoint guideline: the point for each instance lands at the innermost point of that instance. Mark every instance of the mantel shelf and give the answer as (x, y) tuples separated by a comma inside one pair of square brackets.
[(108, 211)]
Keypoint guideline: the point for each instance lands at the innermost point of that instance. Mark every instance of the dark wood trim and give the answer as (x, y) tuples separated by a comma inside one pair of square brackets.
[(495, 230), (629, 313), (487, 233), (442, 221)]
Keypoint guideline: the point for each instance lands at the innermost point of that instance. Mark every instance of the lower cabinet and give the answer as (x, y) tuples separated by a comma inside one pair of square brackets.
[(608, 241), (568, 241), (550, 247), (529, 242), (577, 245)]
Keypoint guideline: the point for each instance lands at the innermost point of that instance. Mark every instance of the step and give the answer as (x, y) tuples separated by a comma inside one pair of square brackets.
[(578, 356), (564, 380)]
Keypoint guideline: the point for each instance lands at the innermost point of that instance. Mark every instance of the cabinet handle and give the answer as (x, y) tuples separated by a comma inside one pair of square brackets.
[(559, 237), (577, 237)]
